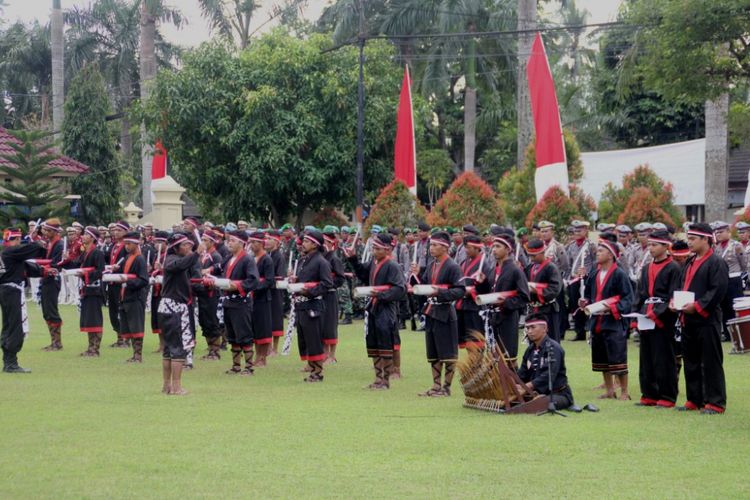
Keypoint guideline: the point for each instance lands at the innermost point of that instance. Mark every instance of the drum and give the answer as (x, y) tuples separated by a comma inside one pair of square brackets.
[(739, 332)]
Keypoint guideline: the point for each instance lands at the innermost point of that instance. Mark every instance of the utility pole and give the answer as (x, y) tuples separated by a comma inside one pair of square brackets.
[(359, 193)]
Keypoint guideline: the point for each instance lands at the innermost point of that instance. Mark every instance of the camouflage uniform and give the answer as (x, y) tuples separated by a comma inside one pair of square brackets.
[(345, 291)]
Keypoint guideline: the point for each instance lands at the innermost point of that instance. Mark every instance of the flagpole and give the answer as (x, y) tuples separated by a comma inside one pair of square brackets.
[(361, 115)]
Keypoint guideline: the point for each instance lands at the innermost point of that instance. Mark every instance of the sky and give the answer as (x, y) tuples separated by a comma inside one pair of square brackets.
[(197, 29)]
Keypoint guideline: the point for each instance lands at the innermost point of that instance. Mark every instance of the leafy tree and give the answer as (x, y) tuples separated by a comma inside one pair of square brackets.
[(691, 48), (395, 206), (274, 124), (646, 205), (435, 169), (468, 200), (88, 138), (555, 206), (516, 187), (616, 200), (28, 196)]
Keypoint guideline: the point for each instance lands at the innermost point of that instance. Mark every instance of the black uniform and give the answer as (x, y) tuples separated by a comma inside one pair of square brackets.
[(313, 268), (13, 300), (536, 366), (117, 253), (658, 371), (544, 300), (208, 298), (174, 311), (262, 323), (331, 299), (277, 296), (92, 295), (381, 331), (609, 349), (238, 305), (50, 285), (507, 277), (467, 311), (703, 357), (133, 297), (441, 321)]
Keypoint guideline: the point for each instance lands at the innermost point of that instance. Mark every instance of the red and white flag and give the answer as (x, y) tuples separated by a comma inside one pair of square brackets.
[(159, 162), (405, 157), (551, 166)]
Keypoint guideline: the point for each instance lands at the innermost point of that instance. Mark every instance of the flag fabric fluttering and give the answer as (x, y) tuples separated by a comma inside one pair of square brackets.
[(405, 157), (551, 165), (159, 162)]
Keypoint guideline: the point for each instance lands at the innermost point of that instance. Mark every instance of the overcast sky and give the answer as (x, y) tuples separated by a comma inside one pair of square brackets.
[(197, 30)]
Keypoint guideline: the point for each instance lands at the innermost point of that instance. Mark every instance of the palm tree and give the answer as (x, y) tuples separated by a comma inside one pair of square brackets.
[(26, 73), (152, 12), (230, 19), (526, 20), (58, 70)]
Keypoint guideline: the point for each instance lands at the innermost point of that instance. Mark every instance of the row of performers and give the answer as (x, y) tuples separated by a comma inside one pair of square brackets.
[(450, 306)]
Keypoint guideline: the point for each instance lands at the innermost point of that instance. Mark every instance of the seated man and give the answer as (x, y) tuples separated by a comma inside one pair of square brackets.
[(543, 355)]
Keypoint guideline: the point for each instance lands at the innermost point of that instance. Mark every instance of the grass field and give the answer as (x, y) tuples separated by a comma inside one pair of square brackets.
[(79, 427)]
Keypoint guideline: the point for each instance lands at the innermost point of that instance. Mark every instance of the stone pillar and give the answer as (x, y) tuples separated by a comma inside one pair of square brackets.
[(132, 213), (717, 158), (167, 205), (526, 21)]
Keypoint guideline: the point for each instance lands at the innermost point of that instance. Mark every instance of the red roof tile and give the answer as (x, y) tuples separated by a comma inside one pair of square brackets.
[(63, 162)]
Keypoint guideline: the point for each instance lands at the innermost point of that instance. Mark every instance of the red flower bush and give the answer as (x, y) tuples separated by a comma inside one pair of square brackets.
[(469, 200)]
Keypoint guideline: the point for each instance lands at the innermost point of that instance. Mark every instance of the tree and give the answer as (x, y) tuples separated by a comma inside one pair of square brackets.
[(152, 12), (516, 187), (697, 50), (89, 139), (614, 200), (28, 196), (434, 168), (555, 206), (646, 205), (468, 200), (395, 206), (230, 18), (25, 74), (58, 70), (274, 124)]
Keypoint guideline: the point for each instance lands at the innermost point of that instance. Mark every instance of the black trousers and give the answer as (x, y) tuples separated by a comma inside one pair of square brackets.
[(50, 297), (113, 303), (469, 321), (310, 335), (11, 338), (562, 314), (702, 360), (207, 318), (658, 370), (331, 318), (505, 327), (579, 317), (92, 320), (441, 340)]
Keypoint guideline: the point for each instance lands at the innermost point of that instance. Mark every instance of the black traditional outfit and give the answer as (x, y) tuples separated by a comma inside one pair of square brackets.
[(382, 313), (13, 301), (174, 307), (262, 322), (609, 350), (536, 365), (315, 270), (92, 298), (331, 299), (208, 303), (133, 294), (277, 295), (707, 277), (238, 310), (49, 288), (467, 311), (657, 371), (544, 295), (117, 256), (507, 277)]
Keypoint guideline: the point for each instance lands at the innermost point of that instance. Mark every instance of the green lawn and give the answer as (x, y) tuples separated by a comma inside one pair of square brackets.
[(79, 427)]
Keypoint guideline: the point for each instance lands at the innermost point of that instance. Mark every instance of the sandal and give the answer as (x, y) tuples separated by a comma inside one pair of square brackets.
[(312, 378), (181, 392), (247, 372), (233, 371), (607, 396), (432, 392)]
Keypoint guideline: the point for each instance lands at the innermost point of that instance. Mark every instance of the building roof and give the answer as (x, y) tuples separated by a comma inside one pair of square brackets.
[(64, 163), (682, 164)]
